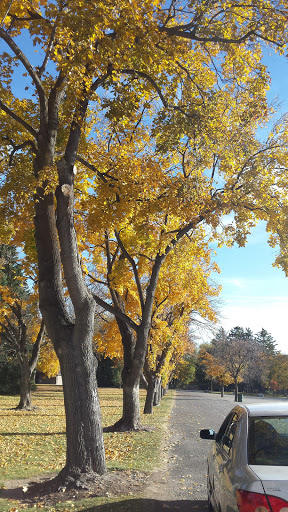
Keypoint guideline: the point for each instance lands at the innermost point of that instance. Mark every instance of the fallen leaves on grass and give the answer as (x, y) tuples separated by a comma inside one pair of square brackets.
[(35, 442)]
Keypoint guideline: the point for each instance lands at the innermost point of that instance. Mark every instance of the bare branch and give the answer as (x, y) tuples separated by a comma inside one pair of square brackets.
[(134, 72), (92, 168), (187, 32), (48, 51), (20, 146), (96, 280), (32, 72), (134, 268), (7, 11), (18, 119), (115, 312)]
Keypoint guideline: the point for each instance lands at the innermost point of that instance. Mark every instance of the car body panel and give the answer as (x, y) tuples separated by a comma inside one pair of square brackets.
[(268, 409), (274, 480)]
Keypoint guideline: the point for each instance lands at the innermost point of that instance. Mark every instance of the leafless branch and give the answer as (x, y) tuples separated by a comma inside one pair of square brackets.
[(32, 72), (115, 312), (134, 268), (18, 119)]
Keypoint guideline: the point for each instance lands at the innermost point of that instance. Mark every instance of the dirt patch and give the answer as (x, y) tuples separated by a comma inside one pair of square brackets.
[(38, 491)]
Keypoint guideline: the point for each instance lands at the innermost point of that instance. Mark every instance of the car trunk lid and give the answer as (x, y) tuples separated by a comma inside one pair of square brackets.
[(274, 480)]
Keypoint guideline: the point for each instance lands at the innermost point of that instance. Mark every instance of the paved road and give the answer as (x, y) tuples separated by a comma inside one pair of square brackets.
[(182, 482)]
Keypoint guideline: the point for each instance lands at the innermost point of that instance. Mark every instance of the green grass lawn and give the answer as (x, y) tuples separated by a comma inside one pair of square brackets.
[(33, 443)]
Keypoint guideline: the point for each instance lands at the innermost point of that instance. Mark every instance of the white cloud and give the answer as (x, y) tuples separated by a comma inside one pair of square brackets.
[(235, 281), (269, 313)]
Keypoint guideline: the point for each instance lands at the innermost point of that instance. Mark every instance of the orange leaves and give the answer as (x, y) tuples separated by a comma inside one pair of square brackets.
[(214, 367)]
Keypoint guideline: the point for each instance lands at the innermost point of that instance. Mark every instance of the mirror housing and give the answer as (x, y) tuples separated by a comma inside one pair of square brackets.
[(208, 433)]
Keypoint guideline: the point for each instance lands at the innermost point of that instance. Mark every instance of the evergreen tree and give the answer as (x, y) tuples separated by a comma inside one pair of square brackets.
[(267, 342)]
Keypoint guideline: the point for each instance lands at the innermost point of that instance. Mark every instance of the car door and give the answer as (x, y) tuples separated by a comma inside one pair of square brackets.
[(224, 467)]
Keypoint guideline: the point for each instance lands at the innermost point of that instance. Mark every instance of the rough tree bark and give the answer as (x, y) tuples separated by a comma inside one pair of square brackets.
[(236, 389), (71, 337), (28, 366), (57, 247), (151, 379), (157, 394), (130, 419)]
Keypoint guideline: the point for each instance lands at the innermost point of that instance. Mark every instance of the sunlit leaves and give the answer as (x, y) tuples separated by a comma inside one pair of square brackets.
[(48, 361)]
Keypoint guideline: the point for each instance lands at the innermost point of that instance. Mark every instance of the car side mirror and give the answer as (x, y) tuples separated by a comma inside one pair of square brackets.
[(207, 433)]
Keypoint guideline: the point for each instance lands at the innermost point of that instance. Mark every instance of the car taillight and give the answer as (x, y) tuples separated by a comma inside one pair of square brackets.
[(255, 502)]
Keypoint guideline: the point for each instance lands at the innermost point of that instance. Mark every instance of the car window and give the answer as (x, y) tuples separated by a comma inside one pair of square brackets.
[(227, 431), (268, 441)]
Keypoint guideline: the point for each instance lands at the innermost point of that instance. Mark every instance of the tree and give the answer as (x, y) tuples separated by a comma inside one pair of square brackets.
[(266, 341), (128, 276), (21, 327), (184, 291), (185, 371), (238, 353), (215, 368), (92, 62), (278, 374)]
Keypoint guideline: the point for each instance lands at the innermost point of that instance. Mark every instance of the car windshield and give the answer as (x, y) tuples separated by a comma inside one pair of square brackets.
[(268, 441)]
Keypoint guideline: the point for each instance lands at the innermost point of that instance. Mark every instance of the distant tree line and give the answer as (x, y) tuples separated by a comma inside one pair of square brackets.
[(239, 359)]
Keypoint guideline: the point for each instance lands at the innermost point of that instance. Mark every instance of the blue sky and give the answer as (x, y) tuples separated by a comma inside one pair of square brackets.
[(254, 293)]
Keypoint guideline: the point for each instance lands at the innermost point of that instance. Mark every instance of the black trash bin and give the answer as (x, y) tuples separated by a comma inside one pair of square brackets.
[(240, 397)]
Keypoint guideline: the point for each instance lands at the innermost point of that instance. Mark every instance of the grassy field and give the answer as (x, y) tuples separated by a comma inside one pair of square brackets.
[(33, 443)]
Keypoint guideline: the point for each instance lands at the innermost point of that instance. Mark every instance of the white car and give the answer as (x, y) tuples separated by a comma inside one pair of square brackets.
[(248, 462)]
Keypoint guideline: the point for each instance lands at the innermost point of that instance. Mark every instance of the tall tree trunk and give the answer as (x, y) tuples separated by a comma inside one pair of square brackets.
[(131, 373), (134, 346), (222, 389), (130, 419), (148, 408), (236, 390), (157, 394), (85, 449), (71, 337), (131, 403), (27, 366), (165, 390), (25, 386)]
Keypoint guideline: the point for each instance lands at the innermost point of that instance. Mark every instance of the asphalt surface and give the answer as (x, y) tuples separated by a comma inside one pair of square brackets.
[(181, 484)]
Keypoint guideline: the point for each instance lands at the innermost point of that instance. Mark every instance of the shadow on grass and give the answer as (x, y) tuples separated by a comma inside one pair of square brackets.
[(149, 505), (135, 505), (41, 434)]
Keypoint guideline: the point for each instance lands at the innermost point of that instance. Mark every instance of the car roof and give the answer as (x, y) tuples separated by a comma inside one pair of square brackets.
[(267, 409)]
